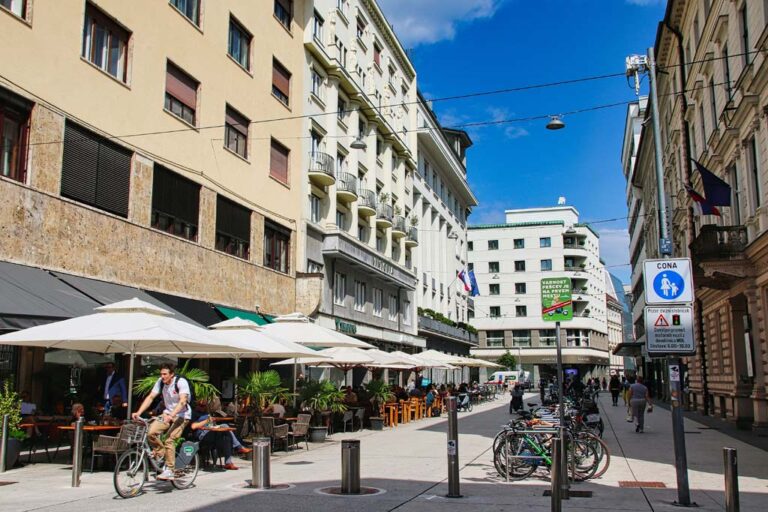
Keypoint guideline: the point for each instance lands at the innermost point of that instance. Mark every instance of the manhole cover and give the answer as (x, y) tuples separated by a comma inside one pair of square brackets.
[(364, 491), (572, 494), (7, 483), (635, 485)]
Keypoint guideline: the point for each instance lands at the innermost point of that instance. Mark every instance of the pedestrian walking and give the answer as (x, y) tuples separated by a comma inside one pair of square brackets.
[(542, 389), (615, 388), (639, 399), (604, 384)]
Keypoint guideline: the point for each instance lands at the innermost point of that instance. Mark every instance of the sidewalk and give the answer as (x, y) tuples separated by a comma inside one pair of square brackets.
[(409, 464)]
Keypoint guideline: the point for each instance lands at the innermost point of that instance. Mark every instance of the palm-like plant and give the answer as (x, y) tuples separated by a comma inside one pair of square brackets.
[(263, 388), (379, 393), (322, 396), (198, 379)]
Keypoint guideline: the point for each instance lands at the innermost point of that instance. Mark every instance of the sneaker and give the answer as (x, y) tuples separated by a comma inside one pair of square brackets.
[(638, 429), (230, 466), (243, 450), (166, 475)]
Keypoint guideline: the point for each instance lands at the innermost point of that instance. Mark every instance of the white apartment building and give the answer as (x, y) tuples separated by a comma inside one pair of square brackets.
[(614, 309), (441, 200), (359, 98), (509, 261)]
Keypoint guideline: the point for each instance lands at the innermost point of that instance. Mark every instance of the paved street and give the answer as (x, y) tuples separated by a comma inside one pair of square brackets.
[(409, 464)]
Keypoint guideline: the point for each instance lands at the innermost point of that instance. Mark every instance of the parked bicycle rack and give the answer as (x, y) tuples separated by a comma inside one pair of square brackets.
[(508, 456)]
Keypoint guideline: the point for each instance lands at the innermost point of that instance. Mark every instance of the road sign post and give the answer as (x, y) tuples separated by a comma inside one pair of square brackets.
[(557, 306)]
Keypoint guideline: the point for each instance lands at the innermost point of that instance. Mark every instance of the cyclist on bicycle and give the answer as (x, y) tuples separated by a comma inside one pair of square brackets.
[(174, 419)]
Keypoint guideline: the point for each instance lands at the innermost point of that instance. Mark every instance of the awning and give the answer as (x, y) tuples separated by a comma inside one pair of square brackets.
[(31, 296), (633, 349), (200, 311), (246, 315), (108, 293)]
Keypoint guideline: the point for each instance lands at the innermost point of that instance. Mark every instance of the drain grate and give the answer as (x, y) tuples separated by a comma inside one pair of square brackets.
[(645, 485), (686, 432), (572, 493), (7, 483)]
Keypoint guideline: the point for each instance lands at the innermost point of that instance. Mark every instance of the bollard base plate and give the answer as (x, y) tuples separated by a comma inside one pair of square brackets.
[(690, 505), (454, 495), (364, 491), (275, 487)]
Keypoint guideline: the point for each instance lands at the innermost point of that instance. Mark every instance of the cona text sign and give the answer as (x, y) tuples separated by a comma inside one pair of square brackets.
[(556, 299), (668, 281), (669, 331)]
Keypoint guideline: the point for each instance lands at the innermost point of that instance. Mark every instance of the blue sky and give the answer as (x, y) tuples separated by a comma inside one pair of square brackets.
[(465, 46)]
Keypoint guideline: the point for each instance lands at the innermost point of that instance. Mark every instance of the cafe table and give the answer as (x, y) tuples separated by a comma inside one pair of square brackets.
[(35, 427)]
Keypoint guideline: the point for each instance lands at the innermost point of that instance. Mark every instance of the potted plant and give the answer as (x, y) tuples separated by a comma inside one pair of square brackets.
[(198, 379), (397, 210), (263, 388), (379, 393), (10, 404), (414, 221), (321, 399), (384, 197)]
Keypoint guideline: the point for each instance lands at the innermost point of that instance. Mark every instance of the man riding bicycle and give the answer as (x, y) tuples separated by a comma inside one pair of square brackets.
[(174, 419)]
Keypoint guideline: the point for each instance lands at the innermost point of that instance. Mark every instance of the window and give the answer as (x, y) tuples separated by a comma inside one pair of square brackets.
[(314, 267), (359, 296), (545, 242), (277, 247), (547, 336), (494, 338), (175, 203), (278, 161), (406, 312), (713, 103), (493, 245), (339, 288), (17, 7), (744, 27), (341, 219), (379, 242), (95, 171), (239, 44), (363, 233), (360, 28), (493, 267), (471, 266), (377, 54), (315, 208), (180, 94), (470, 246), (520, 266), (378, 301), (494, 289), (281, 82), (233, 228), (236, 132), (105, 43), (341, 54), (546, 265), (733, 179), (392, 307), (754, 172), (317, 83), (317, 27), (14, 135), (379, 147), (343, 110), (284, 12), (189, 8), (520, 288), (521, 310), (521, 337), (495, 311), (519, 243)]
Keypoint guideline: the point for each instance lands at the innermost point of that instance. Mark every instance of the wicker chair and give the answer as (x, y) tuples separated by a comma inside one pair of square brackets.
[(280, 436), (304, 418), (110, 445), (300, 431), (265, 426)]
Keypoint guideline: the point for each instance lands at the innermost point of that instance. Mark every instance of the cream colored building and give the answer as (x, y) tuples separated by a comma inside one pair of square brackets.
[(709, 49), (138, 152)]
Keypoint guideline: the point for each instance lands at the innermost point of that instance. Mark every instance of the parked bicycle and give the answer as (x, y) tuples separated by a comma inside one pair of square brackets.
[(133, 465)]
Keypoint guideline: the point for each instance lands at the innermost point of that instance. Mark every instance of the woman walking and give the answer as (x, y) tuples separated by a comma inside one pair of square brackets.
[(638, 399), (615, 387)]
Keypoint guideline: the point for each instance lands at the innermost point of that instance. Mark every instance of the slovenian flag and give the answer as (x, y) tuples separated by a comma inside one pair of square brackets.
[(701, 205), (464, 281), (717, 191)]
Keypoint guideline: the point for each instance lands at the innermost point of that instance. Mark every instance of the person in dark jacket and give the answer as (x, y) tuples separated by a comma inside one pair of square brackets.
[(614, 386), (516, 403)]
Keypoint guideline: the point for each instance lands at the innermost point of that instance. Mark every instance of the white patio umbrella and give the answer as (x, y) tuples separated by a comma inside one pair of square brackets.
[(390, 360), (127, 327), (343, 358), (76, 358), (300, 329)]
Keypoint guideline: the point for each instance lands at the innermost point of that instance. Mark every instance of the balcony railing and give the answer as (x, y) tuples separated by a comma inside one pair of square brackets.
[(398, 226), (384, 211), (366, 199), (322, 164), (720, 243), (433, 325), (413, 236), (346, 186), (494, 342)]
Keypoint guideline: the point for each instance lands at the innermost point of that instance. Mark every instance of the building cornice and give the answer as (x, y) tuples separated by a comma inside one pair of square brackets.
[(377, 16)]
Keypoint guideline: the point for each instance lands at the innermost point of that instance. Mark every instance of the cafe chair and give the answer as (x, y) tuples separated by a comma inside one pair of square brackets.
[(349, 417), (300, 432), (360, 415), (109, 445), (280, 436)]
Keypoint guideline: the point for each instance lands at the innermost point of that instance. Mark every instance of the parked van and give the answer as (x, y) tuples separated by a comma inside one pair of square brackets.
[(510, 378)]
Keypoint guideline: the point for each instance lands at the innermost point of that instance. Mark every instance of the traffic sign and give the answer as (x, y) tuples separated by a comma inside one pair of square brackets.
[(668, 281), (556, 299), (669, 330)]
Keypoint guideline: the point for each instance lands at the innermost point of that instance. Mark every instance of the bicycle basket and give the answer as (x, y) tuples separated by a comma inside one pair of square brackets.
[(135, 433)]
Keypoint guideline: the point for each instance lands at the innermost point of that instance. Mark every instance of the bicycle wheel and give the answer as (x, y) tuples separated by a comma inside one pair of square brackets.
[(582, 460), (185, 476), (469, 407), (130, 473), (519, 469), (604, 455)]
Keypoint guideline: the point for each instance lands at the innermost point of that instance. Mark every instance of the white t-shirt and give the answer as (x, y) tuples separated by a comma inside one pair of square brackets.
[(28, 408), (279, 410), (171, 398)]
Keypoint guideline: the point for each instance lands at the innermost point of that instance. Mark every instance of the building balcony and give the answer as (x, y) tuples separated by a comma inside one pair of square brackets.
[(434, 326), (384, 216), (366, 202), (412, 239), (346, 187), (398, 227), (321, 169), (575, 268), (715, 243)]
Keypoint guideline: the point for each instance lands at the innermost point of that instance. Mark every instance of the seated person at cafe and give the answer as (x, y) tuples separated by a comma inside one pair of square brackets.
[(27, 408), (430, 400), (276, 409), (416, 393), (78, 411), (223, 442), (118, 410), (350, 397)]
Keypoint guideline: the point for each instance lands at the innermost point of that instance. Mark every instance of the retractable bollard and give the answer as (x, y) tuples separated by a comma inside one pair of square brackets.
[(77, 453), (454, 489), (350, 466), (262, 448), (4, 443), (731, 480), (556, 475)]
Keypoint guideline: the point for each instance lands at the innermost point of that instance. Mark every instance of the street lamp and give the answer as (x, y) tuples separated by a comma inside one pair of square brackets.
[(555, 123), (358, 143)]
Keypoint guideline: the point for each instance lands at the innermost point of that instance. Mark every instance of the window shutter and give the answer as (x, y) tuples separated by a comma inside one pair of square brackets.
[(233, 219), (281, 78), (79, 165), (278, 167), (113, 180), (237, 121), (175, 195), (181, 86)]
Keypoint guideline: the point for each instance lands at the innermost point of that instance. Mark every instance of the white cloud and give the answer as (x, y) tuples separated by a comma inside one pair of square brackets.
[(614, 249), (488, 212), (429, 21), (645, 3)]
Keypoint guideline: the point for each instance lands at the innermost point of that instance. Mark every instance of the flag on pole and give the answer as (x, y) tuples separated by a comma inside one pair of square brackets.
[(464, 282), (473, 282), (701, 205), (716, 191)]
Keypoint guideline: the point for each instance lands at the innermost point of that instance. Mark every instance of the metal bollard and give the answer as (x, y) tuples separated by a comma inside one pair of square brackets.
[(262, 448), (350, 466), (77, 453), (4, 443), (731, 480), (556, 475), (454, 489)]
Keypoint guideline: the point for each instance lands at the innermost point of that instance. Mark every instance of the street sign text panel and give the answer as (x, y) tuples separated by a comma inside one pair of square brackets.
[(669, 330)]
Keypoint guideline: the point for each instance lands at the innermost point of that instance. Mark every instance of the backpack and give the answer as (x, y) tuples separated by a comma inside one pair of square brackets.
[(191, 399)]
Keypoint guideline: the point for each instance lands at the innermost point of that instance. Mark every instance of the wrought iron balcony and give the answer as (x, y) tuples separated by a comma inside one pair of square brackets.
[(398, 227), (321, 169), (384, 215), (346, 187), (366, 202), (715, 243), (412, 240), (430, 324)]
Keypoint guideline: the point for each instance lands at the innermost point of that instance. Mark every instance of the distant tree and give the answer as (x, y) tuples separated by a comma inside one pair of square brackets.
[(508, 361)]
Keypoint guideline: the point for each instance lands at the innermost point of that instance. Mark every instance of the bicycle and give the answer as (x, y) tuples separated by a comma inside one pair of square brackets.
[(131, 471)]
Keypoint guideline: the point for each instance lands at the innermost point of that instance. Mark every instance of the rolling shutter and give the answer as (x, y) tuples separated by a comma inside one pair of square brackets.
[(281, 78), (232, 219), (181, 86), (176, 196), (278, 162)]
